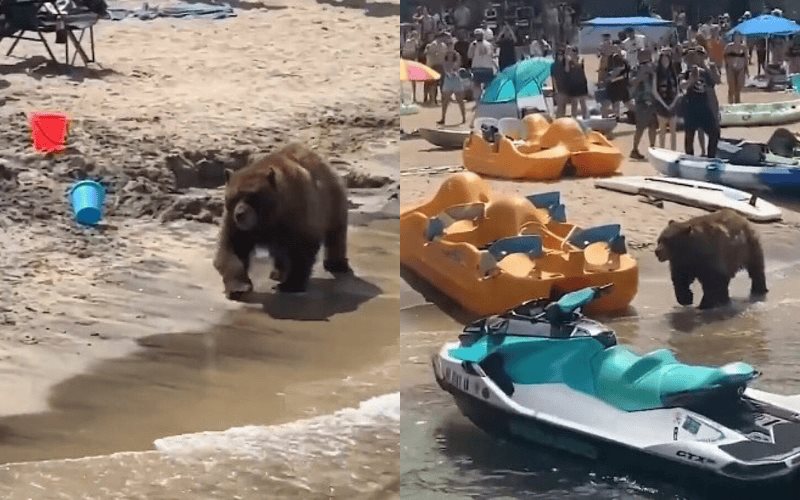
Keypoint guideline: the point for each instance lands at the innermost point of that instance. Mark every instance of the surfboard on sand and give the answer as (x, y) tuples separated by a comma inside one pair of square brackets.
[(698, 194)]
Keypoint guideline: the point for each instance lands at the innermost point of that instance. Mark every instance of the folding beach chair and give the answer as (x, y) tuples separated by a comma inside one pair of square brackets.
[(22, 16)]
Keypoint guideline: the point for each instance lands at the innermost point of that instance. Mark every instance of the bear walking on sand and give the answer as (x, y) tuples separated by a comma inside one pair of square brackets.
[(712, 248), (290, 202)]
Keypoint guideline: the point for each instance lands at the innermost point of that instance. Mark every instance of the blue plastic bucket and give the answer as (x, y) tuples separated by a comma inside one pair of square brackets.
[(87, 199)]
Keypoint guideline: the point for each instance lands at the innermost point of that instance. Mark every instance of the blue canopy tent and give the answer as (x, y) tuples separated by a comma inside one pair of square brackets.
[(766, 26), (592, 31), (516, 86), (624, 22)]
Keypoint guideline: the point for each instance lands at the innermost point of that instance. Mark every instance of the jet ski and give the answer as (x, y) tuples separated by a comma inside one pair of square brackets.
[(544, 373)]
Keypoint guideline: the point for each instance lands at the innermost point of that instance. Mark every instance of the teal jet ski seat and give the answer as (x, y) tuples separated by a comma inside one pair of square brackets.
[(632, 382)]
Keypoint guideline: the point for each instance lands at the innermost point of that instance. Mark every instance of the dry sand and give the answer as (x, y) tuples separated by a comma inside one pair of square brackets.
[(173, 103), (586, 205)]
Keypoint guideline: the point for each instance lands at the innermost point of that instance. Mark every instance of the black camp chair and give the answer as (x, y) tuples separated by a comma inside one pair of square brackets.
[(783, 143), (23, 16)]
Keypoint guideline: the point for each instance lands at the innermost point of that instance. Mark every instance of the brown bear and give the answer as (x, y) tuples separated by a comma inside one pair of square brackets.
[(290, 202), (711, 248)]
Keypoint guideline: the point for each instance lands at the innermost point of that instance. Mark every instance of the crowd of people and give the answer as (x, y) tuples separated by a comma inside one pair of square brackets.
[(657, 81)]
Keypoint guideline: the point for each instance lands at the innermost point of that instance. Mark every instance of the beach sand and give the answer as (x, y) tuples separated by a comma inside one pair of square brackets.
[(586, 205), (117, 335)]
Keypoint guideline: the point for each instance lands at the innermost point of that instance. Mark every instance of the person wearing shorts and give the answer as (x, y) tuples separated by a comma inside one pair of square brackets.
[(481, 53), (452, 85)]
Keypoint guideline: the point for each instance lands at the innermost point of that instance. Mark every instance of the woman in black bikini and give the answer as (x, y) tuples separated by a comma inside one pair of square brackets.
[(665, 91), (736, 68)]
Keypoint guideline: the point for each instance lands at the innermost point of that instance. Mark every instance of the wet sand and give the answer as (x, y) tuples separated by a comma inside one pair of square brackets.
[(231, 364)]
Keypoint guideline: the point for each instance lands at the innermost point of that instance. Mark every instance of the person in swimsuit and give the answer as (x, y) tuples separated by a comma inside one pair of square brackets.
[(666, 93), (577, 86), (761, 56), (736, 68), (617, 88), (410, 51), (451, 82)]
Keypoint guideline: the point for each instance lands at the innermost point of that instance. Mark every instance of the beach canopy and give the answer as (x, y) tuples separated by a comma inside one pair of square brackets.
[(413, 71), (524, 79), (624, 22), (591, 33), (766, 25)]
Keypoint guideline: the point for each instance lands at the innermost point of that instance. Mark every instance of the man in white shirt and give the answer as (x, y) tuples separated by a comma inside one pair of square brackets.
[(481, 52), (633, 44)]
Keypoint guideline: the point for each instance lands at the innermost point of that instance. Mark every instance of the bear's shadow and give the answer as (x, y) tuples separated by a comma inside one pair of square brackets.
[(324, 298)]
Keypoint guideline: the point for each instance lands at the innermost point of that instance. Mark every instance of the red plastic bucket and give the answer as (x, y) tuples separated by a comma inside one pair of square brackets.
[(49, 131)]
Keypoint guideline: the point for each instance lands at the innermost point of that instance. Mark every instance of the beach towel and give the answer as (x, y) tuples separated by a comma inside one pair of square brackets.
[(181, 10)]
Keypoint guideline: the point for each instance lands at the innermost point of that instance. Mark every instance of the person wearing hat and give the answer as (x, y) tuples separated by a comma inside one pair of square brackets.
[(701, 108), (633, 44), (481, 53)]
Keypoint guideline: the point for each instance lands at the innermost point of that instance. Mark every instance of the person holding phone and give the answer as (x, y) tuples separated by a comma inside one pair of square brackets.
[(701, 110)]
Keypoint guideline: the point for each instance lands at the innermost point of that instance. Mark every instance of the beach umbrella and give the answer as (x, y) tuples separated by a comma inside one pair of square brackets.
[(765, 26), (413, 71)]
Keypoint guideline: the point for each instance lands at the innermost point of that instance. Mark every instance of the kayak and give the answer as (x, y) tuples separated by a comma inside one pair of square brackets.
[(759, 114), (779, 177), (444, 138)]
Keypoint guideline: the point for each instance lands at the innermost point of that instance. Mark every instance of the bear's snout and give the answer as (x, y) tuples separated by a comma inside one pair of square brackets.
[(244, 216), (661, 254)]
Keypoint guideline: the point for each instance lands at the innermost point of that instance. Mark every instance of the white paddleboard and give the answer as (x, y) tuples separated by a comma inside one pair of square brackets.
[(698, 194)]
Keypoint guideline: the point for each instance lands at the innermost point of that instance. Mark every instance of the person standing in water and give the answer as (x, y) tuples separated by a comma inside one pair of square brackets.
[(451, 82), (736, 68)]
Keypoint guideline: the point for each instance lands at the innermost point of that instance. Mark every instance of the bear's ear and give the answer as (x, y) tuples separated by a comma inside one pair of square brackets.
[(271, 177), (671, 222), (228, 174)]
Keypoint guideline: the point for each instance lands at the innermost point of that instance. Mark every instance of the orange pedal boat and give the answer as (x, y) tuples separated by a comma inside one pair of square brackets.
[(535, 149), (490, 252)]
